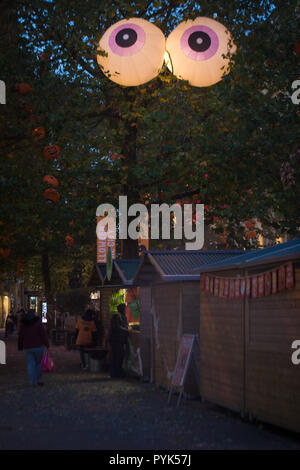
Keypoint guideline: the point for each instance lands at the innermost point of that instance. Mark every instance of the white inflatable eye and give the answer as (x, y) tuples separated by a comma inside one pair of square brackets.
[(135, 49), (195, 51)]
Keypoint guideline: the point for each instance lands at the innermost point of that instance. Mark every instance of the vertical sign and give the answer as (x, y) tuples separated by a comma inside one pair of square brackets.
[(2, 92), (103, 245), (2, 352), (185, 354)]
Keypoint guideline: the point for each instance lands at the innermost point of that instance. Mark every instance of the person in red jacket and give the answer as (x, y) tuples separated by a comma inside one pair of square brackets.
[(32, 339)]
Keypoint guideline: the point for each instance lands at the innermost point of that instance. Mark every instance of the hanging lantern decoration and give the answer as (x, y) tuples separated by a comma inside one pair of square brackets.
[(195, 50), (25, 106), (5, 252), (251, 234), (22, 88), (297, 47), (39, 132), (114, 156), (51, 152), (69, 240), (51, 180), (135, 52), (250, 224), (51, 194)]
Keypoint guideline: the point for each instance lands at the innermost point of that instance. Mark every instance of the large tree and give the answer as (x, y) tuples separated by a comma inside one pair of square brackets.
[(232, 146)]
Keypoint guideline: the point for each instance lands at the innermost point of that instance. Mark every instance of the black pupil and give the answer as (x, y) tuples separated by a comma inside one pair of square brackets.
[(126, 37), (199, 41)]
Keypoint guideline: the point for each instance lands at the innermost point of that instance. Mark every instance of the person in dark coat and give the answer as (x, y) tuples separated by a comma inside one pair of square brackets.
[(86, 335), (118, 336), (32, 339), (9, 324)]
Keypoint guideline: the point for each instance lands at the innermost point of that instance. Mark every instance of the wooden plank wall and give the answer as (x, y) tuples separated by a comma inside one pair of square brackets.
[(222, 351), (166, 302), (272, 381), (177, 308), (190, 307), (145, 328)]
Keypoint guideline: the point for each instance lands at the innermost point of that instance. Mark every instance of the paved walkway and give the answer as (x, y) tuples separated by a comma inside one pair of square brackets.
[(84, 410)]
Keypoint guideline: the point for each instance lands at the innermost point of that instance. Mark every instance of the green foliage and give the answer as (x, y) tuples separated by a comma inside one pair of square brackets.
[(116, 299), (73, 301), (223, 146)]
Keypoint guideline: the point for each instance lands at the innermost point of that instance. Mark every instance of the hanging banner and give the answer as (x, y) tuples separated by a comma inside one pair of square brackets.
[(289, 275), (268, 283), (237, 284), (143, 244), (226, 288), (231, 289), (281, 278), (248, 286), (274, 281), (258, 285), (243, 288), (211, 285), (221, 288), (216, 286), (254, 285), (103, 245), (261, 285)]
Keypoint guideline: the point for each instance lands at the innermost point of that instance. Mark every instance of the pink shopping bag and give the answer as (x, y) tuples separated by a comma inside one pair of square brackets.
[(47, 363)]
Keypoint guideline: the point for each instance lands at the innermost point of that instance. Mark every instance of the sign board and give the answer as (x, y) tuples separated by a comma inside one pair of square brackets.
[(184, 357), (103, 245)]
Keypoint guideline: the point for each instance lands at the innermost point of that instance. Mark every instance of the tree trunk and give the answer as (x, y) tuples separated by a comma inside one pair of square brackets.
[(48, 292), (129, 249)]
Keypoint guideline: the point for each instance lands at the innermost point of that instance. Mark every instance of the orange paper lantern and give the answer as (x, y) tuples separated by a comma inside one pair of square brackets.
[(22, 88), (51, 180), (250, 223), (5, 252), (69, 240), (51, 194), (39, 132), (51, 152), (251, 234)]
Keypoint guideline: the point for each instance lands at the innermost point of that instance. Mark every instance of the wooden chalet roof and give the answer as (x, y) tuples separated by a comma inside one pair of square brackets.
[(157, 266), (277, 253)]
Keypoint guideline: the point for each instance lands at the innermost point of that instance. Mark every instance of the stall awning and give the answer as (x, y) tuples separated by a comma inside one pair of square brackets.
[(277, 253), (122, 274)]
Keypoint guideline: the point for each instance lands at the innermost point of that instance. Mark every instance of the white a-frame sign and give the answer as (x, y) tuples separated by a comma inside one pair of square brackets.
[(187, 354)]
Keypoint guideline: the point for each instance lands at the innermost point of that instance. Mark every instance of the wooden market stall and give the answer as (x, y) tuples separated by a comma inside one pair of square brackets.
[(118, 289), (172, 307), (249, 319)]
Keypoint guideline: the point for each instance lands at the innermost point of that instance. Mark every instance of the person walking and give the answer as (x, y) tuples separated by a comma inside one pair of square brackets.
[(86, 335), (20, 314), (32, 339), (118, 336), (9, 324)]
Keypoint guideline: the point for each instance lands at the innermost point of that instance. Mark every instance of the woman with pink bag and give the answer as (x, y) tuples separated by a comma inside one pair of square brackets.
[(32, 339)]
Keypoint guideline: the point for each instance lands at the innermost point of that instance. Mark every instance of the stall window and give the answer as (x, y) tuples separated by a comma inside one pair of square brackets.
[(33, 303)]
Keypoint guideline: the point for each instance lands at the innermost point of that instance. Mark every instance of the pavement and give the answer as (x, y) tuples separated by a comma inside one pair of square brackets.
[(81, 410)]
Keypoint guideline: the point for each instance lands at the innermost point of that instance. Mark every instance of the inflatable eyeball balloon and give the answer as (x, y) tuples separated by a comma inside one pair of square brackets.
[(195, 50), (135, 49)]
